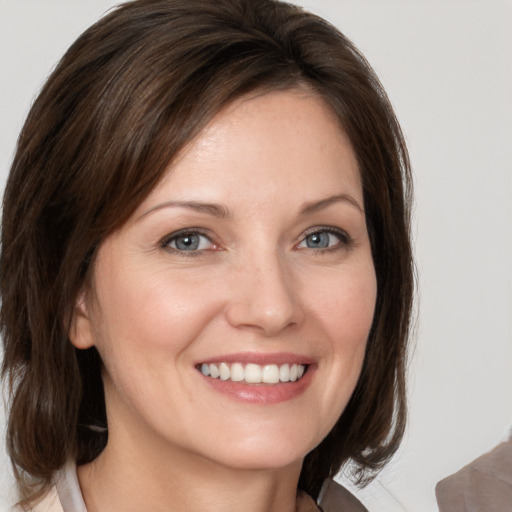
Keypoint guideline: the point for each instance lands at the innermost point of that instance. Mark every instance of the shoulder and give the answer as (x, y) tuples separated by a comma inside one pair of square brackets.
[(486, 481), (335, 498)]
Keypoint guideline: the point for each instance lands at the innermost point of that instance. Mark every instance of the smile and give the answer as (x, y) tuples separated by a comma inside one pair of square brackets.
[(254, 373)]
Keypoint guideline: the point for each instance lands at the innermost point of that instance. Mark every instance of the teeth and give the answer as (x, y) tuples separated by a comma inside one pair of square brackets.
[(293, 372), (225, 372), (237, 372), (270, 374), (254, 373), (284, 373), (214, 371)]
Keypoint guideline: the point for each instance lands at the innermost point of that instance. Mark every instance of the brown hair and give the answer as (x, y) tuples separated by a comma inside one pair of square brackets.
[(125, 98)]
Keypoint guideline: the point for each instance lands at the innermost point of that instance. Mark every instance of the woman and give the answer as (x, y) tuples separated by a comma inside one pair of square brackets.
[(206, 271)]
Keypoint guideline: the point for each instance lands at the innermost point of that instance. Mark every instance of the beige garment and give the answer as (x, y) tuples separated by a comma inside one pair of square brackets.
[(485, 485), (66, 496), (51, 503)]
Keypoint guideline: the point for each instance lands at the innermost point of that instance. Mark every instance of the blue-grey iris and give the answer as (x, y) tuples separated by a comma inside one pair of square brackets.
[(187, 242), (318, 240)]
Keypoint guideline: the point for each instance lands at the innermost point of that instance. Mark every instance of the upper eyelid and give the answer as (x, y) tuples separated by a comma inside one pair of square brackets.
[(329, 229)]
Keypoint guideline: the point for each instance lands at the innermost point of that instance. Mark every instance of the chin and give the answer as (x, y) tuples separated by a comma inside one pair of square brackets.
[(264, 452), (261, 460)]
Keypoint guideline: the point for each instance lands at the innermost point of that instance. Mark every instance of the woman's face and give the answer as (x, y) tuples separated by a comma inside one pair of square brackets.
[(250, 258)]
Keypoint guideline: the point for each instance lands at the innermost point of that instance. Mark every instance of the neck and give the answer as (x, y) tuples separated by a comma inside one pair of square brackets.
[(140, 478)]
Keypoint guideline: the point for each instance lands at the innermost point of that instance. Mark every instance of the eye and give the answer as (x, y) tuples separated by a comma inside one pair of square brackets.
[(324, 239), (188, 241)]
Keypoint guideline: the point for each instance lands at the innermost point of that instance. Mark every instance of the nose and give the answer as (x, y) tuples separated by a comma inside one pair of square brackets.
[(264, 297)]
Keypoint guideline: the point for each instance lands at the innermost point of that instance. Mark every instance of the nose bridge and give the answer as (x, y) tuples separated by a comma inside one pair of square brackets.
[(264, 295)]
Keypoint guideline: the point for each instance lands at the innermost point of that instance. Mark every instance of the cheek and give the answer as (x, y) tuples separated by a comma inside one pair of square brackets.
[(343, 313), (154, 311), (352, 314), (345, 306), (144, 328)]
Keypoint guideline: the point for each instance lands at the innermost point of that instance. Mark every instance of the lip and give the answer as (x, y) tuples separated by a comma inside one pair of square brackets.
[(259, 358), (262, 394)]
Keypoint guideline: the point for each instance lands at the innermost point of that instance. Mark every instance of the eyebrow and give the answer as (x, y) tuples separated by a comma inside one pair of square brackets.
[(216, 210), (222, 212), (315, 206)]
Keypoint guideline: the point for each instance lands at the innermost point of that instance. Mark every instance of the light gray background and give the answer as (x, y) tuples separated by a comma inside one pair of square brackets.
[(447, 66)]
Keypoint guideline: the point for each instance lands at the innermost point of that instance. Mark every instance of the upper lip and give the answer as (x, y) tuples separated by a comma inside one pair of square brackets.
[(259, 358)]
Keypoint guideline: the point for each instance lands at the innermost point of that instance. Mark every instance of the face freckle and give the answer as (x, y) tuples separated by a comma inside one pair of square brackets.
[(250, 258)]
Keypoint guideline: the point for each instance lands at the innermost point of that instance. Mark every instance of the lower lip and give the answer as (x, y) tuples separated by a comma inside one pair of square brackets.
[(262, 393)]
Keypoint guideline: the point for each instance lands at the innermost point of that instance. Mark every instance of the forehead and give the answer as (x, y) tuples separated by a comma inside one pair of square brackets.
[(262, 145)]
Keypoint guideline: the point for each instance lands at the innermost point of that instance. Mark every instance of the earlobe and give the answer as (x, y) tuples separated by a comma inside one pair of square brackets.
[(80, 330)]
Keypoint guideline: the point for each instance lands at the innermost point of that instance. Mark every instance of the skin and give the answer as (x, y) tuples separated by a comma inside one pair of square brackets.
[(282, 167)]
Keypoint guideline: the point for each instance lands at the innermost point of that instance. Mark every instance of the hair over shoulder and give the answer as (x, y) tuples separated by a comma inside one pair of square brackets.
[(128, 95)]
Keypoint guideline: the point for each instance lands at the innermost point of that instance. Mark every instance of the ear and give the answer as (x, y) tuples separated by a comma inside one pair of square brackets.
[(81, 331)]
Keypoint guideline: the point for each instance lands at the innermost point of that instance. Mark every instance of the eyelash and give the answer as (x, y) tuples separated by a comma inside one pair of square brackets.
[(345, 241)]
